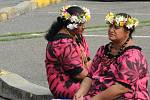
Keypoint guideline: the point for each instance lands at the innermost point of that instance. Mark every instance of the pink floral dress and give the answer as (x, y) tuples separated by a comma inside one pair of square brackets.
[(63, 62), (130, 69)]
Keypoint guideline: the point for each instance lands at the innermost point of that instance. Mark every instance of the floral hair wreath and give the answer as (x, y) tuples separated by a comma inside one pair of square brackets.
[(119, 20), (75, 19)]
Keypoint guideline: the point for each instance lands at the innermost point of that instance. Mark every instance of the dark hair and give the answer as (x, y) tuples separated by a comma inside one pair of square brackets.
[(62, 22), (126, 29)]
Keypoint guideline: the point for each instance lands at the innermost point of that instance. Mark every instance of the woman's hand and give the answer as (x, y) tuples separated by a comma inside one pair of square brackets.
[(78, 96), (111, 93), (89, 64), (84, 88)]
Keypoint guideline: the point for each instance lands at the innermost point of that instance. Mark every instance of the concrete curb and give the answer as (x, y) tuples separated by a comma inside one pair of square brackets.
[(44, 3), (23, 7), (14, 87)]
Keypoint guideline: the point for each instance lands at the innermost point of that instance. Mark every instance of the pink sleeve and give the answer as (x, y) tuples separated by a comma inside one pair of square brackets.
[(132, 67), (71, 60), (96, 61)]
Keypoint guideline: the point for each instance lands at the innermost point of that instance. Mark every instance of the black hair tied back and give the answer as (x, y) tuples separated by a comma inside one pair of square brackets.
[(54, 29)]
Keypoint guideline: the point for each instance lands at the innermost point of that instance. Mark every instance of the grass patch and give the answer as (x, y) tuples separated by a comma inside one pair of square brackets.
[(145, 21), (18, 38), (20, 34), (30, 35)]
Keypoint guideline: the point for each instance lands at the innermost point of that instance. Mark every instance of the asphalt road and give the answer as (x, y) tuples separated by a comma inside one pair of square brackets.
[(26, 56)]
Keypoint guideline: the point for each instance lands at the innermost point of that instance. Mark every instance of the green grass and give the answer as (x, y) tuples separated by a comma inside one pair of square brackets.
[(20, 34), (145, 21), (30, 35), (18, 38)]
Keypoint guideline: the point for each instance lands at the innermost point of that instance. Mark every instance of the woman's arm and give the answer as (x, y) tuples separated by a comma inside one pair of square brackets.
[(72, 64), (88, 64), (83, 74), (111, 93), (86, 68), (84, 88)]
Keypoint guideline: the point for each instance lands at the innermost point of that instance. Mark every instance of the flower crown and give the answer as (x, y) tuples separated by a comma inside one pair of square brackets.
[(75, 19), (119, 20)]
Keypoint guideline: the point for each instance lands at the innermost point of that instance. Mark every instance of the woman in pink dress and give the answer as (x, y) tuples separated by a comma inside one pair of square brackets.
[(67, 53), (119, 69)]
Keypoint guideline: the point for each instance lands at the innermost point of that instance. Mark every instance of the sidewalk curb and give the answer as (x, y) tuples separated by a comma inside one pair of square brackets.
[(44, 3), (24, 7), (14, 87)]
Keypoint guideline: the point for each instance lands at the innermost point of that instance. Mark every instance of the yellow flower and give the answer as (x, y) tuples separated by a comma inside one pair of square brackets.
[(136, 22), (121, 23), (109, 17), (130, 21), (88, 17), (111, 14), (67, 15), (87, 14), (121, 20), (75, 18)]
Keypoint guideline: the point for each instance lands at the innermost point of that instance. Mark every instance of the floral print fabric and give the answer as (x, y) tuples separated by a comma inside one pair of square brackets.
[(130, 69), (63, 63)]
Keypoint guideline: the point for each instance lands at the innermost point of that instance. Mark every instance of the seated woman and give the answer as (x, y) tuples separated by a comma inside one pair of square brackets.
[(67, 54), (119, 69)]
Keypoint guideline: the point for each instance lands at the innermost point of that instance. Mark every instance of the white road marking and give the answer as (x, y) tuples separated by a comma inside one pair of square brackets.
[(94, 35), (96, 13)]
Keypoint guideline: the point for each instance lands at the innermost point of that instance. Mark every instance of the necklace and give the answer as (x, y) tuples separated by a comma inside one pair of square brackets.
[(82, 53), (76, 37), (72, 35), (108, 53)]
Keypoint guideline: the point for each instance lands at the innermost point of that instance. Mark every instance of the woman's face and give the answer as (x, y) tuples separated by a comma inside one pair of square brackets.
[(117, 34), (80, 28)]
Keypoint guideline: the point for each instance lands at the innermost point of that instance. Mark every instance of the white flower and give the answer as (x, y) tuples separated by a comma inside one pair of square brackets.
[(126, 19), (132, 22), (110, 20), (72, 26), (74, 19), (136, 22), (119, 19), (129, 26), (87, 11), (109, 17), (83, 19)]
